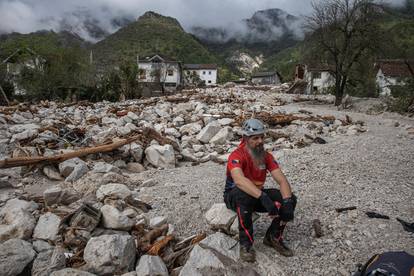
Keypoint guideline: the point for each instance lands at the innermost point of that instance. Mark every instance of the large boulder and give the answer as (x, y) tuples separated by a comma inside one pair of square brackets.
[(73, 169), (113, 190), (208, 132), (15, 255), (112, 218), (220, 217), (205, 261), (49, 261), (47, 227), (151, 266), (16, 219), (160, 156), (223, 244), (110, 254)]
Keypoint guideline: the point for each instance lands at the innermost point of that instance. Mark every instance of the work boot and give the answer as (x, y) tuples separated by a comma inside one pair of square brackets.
[(247, 254), (279, 245)]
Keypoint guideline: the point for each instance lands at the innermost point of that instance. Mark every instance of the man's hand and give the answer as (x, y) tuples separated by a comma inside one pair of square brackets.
[(286, 211), (268, 204)]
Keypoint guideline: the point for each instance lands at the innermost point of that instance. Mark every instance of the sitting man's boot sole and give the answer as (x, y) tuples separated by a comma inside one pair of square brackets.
[(247, 255), (279, 246)]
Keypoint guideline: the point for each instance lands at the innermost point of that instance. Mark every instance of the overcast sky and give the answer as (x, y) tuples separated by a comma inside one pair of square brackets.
[(30, 15)]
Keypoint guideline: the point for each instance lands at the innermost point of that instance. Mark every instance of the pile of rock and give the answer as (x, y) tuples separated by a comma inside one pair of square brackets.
[(108, 233), (189, 127)]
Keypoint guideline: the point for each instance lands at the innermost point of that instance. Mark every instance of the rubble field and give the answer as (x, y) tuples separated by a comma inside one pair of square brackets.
[(135, 187)]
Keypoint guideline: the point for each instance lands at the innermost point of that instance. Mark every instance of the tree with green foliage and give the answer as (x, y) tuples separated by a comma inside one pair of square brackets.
[(128, 76), (342, 32)]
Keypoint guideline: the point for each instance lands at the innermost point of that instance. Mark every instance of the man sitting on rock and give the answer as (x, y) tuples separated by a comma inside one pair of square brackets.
[(244, 193)]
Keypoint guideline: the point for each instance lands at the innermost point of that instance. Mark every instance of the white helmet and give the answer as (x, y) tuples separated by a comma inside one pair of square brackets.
[(253, 127)]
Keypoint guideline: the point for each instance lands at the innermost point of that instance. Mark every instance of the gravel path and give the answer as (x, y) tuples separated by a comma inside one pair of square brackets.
[(373, 171)]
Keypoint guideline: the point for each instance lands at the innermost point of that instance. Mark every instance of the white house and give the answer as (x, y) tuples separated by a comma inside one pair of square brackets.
[(160, 69), (319, 79), (266, 78), (392, 72), (206, 73)]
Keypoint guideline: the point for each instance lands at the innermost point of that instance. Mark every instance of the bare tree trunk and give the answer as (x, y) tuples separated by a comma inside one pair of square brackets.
[(3, 97)]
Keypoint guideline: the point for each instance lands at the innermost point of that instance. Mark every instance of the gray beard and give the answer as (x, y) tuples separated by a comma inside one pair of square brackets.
[(258, 155)]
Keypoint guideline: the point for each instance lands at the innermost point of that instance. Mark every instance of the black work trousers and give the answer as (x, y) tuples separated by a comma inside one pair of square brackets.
[(244, 205)]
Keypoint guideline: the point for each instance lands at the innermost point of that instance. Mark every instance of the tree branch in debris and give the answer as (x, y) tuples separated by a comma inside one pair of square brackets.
[(25, 161)]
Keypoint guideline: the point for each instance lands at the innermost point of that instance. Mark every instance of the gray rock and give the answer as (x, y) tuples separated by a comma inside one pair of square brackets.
[(52, 195), (15, 255), (47, 262), (40, 246), (110, 254), (222, 136), (27, 134), (22, 127), (132, 273), (52, 173), (157, 221), (135, 167), (149, 183), (47, 227), (71, 272), (57, 195), (205, 260), (160, 156), (120, 164), (73, 169), (219, 217), (113, 190), (151, 266), (208, 132), (223, 244), (190, 129), (112, 218), (102, 167), (225, 121), (5, 183), (16, 219)]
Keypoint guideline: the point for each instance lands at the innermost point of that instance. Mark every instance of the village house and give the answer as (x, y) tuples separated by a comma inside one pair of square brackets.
[(159, 69), (205, 73), (319, 78), (266, 78), (391, 73)]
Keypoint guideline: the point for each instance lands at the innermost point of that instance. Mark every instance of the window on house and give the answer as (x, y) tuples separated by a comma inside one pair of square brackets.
[(209, 81), (317, 75), (142, 74), (170, 72), (209, 72), (204, 72)]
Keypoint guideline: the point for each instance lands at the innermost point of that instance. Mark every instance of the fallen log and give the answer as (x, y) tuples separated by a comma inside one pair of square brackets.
[(25, 161)]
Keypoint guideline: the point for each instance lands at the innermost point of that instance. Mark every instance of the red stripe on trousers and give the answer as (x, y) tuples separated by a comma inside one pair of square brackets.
[(242, 225)]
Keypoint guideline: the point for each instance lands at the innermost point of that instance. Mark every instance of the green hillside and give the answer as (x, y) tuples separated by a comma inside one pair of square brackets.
[(151, 33), (42, 42)]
